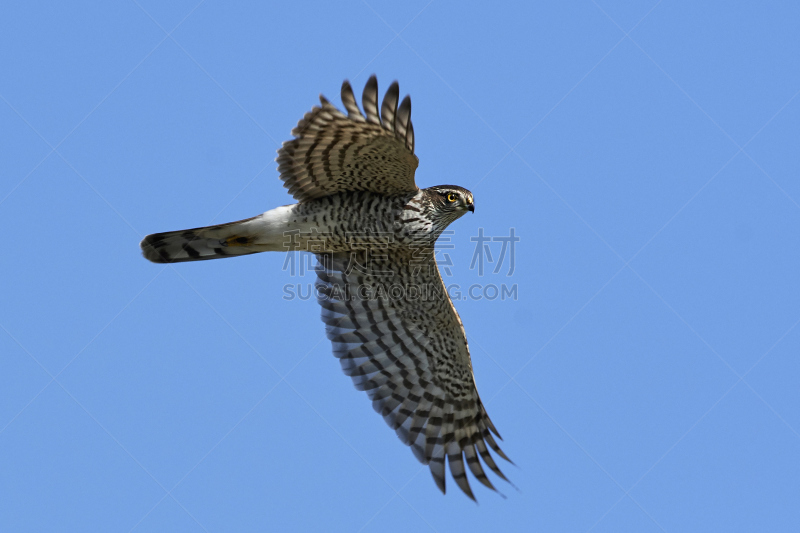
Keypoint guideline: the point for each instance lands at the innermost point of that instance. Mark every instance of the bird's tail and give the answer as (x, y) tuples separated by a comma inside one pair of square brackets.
[(212, 242)]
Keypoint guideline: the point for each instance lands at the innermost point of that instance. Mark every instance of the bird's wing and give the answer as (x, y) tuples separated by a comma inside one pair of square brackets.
[(398, 336), (334, 153)]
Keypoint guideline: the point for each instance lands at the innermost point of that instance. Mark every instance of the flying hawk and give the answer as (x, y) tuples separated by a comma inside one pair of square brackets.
[(386, 311)]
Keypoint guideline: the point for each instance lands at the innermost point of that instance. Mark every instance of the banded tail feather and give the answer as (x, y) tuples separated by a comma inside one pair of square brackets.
[(198, 244), (266, 232)]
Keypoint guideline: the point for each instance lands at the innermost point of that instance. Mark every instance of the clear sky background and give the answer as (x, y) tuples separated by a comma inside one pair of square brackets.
[(646, 154)]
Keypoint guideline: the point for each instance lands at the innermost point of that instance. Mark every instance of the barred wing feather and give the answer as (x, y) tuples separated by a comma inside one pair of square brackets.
[(333, 152), (411, 358)]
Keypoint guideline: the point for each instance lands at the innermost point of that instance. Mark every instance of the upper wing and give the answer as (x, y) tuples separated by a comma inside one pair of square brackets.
[(333, 153), (398, 336)]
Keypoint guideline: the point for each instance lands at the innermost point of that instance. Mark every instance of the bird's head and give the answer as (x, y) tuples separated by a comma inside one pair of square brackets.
[(450, 202)]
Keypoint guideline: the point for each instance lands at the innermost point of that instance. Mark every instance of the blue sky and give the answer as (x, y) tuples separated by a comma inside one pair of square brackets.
[(645, 153)]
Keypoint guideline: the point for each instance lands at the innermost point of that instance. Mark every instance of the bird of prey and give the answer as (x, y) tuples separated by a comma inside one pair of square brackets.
[(384, 303)]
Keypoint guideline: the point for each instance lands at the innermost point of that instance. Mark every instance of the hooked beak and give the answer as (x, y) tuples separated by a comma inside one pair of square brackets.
[(471, 208)]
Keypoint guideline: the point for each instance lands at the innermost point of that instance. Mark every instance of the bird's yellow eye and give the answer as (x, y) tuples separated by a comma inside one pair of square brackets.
[(451, 197)]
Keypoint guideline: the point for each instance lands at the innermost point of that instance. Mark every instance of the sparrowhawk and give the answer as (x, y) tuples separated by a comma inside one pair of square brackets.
[(384, 304)]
